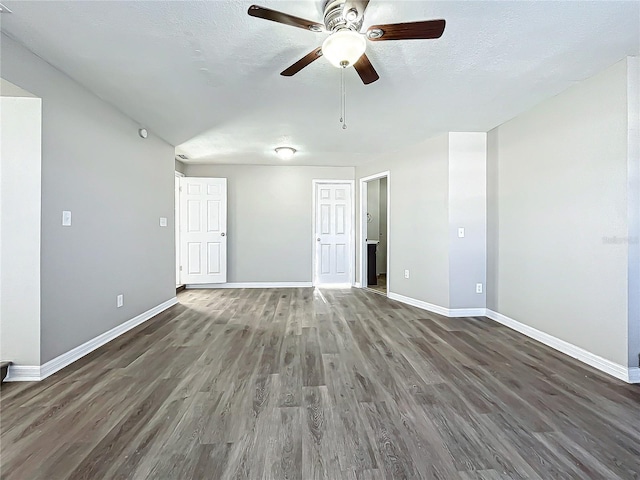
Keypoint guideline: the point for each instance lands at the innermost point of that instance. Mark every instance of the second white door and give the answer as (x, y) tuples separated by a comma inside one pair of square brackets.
[(203, 225), (333, 234)]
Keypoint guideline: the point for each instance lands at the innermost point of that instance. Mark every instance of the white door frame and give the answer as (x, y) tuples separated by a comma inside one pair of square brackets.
[(315, 184), (176, 226), (362, 267)]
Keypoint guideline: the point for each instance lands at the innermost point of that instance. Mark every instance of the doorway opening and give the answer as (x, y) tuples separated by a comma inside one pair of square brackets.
[(374, 233)]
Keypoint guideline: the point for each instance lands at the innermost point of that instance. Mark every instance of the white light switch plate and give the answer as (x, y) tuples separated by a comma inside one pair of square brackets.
[(461, 232), (66, 218), (163, 221)]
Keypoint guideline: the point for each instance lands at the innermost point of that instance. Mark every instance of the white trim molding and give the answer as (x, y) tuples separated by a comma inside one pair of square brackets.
[(447, 312), (621, 372), (250, 285), (23, 373), (419, 303), (19, 373), (607, 366)]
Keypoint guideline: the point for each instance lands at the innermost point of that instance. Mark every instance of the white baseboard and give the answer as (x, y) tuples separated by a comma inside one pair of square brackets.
[(357, 285), (467, 312), (630, 375), (419, 303), (251, 285), (621, 372), (19, 373), (23, 373), (447, 312)]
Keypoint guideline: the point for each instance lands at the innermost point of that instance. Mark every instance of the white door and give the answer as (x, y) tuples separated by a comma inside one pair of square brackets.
[(333, 252), (203, 227)]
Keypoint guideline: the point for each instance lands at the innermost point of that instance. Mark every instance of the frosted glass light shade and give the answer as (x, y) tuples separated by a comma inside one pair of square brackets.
[(285, 153), (344, 46)]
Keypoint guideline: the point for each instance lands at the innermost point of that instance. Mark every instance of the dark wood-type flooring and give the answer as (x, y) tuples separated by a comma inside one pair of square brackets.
[(319, 384)]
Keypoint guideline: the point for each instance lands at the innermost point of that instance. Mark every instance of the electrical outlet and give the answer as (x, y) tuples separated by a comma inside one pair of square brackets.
[(163, 221), (461, 232), (478, 288), (119, 300), (406, 274)]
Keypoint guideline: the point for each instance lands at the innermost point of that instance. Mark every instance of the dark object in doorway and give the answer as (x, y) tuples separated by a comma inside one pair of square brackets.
[(4, 367)]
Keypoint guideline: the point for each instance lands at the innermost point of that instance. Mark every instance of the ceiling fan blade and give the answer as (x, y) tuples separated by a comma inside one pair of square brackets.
[(366, 71), (407, 31), (358, 5), (275, 16), (303, 62)]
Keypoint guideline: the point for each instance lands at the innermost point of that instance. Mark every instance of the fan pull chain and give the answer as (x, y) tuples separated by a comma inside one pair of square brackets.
[(343, 97)]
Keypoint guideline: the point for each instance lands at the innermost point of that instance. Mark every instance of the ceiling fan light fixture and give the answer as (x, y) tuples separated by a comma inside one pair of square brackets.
[(344, 47), (285, 153)]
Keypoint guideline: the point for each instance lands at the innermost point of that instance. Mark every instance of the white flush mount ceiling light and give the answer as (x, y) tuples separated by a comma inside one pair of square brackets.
[(343, 48), (285, 153)]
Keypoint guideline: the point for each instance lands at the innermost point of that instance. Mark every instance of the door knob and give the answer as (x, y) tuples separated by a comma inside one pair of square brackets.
[(222, 234), (318, 239)]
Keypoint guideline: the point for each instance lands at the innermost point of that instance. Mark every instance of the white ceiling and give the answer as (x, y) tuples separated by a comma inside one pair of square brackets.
[(205, 76)]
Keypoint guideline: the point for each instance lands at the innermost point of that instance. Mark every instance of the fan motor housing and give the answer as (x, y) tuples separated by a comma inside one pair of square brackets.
[(335, 20)]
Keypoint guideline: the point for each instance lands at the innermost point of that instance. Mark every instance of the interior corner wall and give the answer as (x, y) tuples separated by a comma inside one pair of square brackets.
[(180, 167), (557, 198), (633, 206), (418, 219), (493, 218), (116, 185), (20, 126), (468, 210), (270, 219)]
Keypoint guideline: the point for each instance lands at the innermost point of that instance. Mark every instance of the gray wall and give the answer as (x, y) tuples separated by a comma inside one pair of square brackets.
[(633, 205), (418, 219), (270, 212), (558, 197), (117, 185), (467, 209), (373, 209)]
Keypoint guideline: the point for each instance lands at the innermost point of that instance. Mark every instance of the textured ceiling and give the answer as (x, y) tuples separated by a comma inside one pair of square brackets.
[(205, 76)]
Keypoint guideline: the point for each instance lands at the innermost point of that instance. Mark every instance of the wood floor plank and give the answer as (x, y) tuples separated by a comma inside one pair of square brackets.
[(304, 383)]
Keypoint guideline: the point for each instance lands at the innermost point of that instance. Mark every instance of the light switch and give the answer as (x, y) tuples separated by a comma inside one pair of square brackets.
[(163, 221), (461, 232), (66, 218)]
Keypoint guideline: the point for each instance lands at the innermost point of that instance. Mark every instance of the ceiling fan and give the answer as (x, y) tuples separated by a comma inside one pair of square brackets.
[(346, 45)]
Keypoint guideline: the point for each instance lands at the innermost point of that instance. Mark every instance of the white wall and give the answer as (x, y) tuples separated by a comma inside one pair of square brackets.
[(270, 219), (418, 219), (558, 200), (468, 210), (117, 185), (20, 125)]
